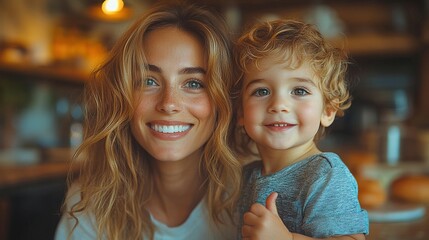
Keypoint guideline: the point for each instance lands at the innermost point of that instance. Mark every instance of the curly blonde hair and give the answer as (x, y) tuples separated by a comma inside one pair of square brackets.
[(293, 42), (115, 179)]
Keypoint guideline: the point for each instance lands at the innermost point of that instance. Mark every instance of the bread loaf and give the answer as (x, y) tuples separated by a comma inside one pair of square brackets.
[(371, 193), (411, 188)]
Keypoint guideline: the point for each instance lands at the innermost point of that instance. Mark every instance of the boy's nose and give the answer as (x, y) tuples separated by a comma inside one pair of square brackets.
[(278, 104)]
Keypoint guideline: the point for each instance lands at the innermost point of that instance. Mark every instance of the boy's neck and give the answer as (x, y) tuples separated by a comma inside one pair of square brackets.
[(275, 160)]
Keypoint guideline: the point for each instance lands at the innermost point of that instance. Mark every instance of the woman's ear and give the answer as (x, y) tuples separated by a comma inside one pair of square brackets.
[(328, 116), (240, 120)]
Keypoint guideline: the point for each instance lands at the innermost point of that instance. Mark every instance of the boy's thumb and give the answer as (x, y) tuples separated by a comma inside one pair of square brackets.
[(271, 203)]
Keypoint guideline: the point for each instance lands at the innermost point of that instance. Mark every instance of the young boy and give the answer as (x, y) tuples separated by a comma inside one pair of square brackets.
[(292, 86)]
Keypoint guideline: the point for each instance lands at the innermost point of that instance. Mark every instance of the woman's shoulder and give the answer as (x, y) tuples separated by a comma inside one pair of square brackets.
[(73, 195), (83, 223)]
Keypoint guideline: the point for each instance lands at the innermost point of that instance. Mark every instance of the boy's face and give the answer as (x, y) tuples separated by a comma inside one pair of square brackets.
[(282, 107)]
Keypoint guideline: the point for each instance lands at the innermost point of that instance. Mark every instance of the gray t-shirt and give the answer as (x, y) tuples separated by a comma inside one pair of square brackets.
[(317, 196)]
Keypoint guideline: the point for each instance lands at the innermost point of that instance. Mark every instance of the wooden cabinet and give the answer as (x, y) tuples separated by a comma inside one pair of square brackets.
[(31, 195), (32, 210), (423, 94), (35, 98)]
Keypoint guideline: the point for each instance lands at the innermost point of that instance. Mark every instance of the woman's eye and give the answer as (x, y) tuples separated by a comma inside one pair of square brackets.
[(150, 82), (194, 84), (300, 92), (261, 92)]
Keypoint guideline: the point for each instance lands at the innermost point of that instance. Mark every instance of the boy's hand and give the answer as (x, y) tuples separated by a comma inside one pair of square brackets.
[(262, 223)]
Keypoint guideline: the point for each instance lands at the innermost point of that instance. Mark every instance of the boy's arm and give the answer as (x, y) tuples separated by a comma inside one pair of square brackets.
[(344, 237), (264, 223)]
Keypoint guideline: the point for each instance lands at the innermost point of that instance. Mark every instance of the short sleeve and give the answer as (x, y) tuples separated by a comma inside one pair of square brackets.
[(332, 207)]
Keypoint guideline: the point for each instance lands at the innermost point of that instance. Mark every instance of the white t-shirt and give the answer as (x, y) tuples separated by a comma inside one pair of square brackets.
[(197, 226)]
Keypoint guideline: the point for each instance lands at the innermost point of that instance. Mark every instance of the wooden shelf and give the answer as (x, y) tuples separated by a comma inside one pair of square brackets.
[(48, 72), (378, 44)]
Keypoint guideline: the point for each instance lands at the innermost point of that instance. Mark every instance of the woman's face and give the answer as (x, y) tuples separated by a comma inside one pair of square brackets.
[(174, 117)]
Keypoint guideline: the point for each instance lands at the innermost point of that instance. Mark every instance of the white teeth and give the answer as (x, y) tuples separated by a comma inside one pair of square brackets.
[(170, 128), (280, 125)]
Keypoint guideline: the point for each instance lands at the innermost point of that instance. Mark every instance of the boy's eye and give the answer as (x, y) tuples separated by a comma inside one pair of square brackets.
[(194, 84), (300, 92), (261, 92)]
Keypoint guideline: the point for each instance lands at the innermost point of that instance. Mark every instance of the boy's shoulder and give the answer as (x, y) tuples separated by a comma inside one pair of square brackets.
[(328, 160), (328, 163), (251, 167)]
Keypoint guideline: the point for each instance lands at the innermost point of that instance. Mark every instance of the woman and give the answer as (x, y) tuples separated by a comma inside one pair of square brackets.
[(155, 162)]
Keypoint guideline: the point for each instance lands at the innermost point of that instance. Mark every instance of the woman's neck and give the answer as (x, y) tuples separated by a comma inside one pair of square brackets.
[(178, 188)]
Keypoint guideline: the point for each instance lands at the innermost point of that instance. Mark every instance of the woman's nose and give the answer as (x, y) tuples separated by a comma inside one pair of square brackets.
[(170, 101)]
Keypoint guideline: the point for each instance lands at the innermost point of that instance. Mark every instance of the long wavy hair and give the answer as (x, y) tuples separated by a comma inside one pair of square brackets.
[(293, 43), (115, 178)]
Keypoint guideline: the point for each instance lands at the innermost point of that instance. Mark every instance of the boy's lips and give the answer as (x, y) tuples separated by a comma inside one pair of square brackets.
[(279, 124)]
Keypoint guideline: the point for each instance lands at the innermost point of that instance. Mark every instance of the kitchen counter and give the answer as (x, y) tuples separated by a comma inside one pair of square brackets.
[(416, 229), (15, 177), (407, 230)]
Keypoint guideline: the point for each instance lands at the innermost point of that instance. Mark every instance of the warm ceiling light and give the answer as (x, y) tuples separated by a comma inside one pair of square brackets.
[(112, 6)]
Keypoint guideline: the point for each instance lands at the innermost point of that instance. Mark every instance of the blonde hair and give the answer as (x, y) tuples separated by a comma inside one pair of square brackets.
[(115, 174), (293, 42)]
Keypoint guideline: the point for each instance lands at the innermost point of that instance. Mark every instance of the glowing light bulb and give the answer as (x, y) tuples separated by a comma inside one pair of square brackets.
[(112, 6)]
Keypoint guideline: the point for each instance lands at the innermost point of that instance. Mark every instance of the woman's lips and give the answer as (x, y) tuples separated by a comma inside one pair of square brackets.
[(169, 130)]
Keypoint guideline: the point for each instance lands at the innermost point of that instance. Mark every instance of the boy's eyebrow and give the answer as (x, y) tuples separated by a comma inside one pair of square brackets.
[(253, 81), (186, 70), (306, 80), (299, 79)]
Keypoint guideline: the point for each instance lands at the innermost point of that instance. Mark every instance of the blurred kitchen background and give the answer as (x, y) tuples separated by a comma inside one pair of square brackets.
[(48, 48)]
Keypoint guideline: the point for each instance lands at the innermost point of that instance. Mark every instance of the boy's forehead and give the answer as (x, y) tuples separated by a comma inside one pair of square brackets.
[(266, 62), (276, 70)]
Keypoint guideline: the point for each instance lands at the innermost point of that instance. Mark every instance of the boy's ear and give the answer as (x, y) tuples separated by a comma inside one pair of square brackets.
[(328, 116)]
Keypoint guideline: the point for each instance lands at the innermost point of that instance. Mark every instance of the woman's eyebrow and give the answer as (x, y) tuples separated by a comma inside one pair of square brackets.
[(186, 70), (191, 70), (152, 68)]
